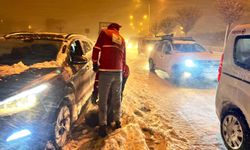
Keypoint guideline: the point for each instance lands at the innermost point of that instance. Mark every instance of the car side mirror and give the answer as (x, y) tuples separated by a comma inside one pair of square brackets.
[(79, 60)]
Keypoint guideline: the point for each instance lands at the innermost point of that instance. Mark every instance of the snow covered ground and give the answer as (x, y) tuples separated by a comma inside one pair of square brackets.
[(157, 115)]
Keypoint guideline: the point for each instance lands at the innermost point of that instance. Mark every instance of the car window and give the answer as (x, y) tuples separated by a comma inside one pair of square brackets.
[(86, 46), (199, 48), (76, 49), (187, 48), (166, 47), (158, 47), (242, 52), (30, 52)]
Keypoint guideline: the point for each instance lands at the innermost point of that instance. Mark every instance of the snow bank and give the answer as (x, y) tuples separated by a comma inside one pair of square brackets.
[(18, 68), (46, 64), (129, 137), (14, 69)]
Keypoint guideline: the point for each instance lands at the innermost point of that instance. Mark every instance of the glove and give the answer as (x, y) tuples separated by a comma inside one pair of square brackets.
[(95, 67)]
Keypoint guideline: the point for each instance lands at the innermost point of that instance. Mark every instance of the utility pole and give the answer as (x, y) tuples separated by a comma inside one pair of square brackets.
[(149, 16)]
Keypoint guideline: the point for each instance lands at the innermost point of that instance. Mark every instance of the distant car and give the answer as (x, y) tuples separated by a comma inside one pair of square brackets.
[(45, 79), (183, 59), (233, 96), (146, 44)]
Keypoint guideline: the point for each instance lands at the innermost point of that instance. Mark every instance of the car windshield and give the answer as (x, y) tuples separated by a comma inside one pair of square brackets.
[(29, 52), (187, 48)]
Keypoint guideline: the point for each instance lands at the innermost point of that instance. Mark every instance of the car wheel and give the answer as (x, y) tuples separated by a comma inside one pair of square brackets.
[(235, 131), (61, 128), (175, 76), (151, 65)]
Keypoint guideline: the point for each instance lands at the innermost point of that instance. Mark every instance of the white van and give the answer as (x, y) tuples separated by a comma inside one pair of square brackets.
[(233, 92)]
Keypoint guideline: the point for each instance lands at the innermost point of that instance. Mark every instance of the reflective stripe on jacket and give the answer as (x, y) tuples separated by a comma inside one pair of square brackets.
[(109, 51)]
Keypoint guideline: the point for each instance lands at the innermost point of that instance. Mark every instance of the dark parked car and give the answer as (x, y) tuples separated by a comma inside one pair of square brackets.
[(45, 79)]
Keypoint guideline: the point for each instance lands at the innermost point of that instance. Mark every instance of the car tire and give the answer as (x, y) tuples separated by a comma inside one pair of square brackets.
[(175, 76), (92, 118), (61, 128), (235, 130), (151, 65)]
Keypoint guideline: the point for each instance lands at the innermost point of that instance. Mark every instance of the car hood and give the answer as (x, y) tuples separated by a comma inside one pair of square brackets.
[(200, 56), (15, 80)]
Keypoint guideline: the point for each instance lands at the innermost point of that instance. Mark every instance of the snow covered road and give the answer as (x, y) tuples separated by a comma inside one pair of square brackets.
[(189, 110), (157, 115)]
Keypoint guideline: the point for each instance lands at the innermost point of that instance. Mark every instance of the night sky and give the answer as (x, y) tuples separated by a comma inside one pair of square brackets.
[(81, 14)]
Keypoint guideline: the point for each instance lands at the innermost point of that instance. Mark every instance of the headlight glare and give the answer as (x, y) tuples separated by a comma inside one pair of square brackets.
[(18, 135), (150, 48), (189, 63), (22, 101)]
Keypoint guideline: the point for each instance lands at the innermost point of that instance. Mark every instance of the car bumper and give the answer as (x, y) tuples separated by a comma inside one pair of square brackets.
[(200, 73)]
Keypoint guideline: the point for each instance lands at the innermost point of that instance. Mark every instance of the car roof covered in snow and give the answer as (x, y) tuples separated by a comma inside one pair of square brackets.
[(40, 36), (183, 42)]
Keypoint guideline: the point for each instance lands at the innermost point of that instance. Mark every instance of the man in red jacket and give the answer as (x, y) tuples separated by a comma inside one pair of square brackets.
[(109, 59)]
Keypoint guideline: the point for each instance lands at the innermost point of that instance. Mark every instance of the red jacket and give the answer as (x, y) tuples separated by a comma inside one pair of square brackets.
[(110, 51)]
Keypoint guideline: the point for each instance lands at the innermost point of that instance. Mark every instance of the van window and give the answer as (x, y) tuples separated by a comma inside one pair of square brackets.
[(242, 52)]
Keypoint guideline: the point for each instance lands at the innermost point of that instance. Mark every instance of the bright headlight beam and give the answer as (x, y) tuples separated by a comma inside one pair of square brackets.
[(189, 63), (35, 90), (150, 48), (187, 75), (18, 135)]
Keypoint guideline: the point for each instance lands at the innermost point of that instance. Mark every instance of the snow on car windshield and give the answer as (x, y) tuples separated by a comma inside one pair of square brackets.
[(187, 48), (28, 52)]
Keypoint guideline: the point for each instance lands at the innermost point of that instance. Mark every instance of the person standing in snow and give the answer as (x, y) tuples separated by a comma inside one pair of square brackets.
[(94, 98), (125, 75), (109, 59)]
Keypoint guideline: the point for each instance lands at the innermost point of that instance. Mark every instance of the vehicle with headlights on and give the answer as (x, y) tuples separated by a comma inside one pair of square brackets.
[(184, 59), (45, 79), (233, 96), (146, 44)]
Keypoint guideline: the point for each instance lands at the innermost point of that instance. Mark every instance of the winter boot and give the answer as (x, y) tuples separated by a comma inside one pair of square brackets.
[(94, 97), (109, 123), (117, 124), (102, 131)]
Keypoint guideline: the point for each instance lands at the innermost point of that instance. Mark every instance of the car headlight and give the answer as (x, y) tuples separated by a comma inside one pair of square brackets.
[(189, 63), (23, 101), (150, 48), (129, 46)]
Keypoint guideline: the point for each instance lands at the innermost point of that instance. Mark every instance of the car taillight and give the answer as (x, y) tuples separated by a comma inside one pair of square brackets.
[(220, 67)]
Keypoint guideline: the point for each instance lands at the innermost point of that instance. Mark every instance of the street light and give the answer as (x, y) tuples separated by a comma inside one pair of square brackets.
[(149, 15), (131, 17), (29, 27)]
